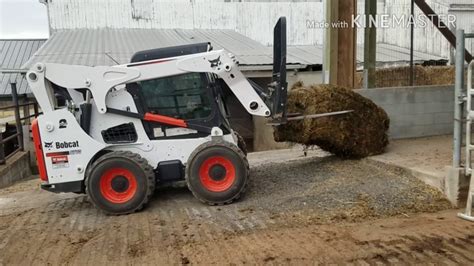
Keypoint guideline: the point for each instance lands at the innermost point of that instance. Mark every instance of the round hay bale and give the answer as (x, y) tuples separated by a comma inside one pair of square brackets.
[(355, 135)]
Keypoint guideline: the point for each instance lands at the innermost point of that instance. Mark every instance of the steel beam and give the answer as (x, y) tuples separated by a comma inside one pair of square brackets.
[(448, 34), (458, 98)]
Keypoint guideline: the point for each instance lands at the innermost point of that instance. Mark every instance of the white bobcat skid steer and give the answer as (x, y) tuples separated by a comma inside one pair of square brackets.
[(115, 132)]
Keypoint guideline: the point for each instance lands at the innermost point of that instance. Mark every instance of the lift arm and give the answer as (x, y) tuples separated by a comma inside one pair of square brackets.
[(100, 80)]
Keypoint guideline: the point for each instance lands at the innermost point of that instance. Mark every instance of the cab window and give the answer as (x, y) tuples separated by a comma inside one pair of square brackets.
[(183, 96)]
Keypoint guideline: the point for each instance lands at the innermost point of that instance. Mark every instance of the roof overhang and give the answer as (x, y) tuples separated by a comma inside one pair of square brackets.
[(93, 47)]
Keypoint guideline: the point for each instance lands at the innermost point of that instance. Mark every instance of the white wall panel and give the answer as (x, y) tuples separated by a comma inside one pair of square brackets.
[(253, 19)]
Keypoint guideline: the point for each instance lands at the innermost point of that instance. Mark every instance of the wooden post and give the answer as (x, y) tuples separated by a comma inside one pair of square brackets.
[(370, 44), (343, 41), (332, 40), (347, 44)]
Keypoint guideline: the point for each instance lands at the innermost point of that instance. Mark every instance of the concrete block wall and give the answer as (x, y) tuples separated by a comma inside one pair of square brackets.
[(16, 168), (416, 111)]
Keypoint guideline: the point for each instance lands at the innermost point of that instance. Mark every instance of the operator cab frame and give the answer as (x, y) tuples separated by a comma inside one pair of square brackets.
[(196, 98)]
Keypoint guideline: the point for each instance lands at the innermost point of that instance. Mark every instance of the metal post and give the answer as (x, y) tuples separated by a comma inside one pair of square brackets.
[(452, 49), (469, 120), (458, 99), (26, 109), (412, 43), (326, 44), (19, 128)]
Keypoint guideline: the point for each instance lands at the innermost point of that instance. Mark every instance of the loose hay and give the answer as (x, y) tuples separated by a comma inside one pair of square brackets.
[(355, 135), (400, 76)]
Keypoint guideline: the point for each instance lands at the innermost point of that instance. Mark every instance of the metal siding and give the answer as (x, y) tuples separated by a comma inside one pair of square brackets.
[(427, 39), (13, 54), (252, 19)]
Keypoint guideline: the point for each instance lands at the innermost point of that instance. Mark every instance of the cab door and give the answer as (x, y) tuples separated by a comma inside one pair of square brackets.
[(189, 97)]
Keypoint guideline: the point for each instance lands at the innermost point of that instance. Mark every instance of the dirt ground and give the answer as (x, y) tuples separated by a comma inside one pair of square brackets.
[(312, 210)]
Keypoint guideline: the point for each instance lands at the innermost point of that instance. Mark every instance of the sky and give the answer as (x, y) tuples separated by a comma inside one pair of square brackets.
[(21, 19)]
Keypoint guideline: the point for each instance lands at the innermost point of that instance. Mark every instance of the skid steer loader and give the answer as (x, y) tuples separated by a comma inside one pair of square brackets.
[(115, 132)]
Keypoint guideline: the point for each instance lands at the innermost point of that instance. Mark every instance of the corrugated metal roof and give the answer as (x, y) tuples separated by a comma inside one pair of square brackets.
[(95, 47), (386, 54), (13, 54)]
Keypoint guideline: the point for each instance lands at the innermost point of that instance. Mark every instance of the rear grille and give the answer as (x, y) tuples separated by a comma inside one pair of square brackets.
[(124, 133)]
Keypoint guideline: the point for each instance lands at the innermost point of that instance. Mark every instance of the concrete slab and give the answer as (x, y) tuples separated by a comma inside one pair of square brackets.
[(425, 157), (429, 159), (296, 152)]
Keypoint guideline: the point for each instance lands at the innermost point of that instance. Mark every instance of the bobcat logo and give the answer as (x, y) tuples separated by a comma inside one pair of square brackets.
[(48, 145), (216, 62)]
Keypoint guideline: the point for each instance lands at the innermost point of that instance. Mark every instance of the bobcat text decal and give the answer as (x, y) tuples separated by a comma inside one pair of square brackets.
[(67, 145), (62, 145)]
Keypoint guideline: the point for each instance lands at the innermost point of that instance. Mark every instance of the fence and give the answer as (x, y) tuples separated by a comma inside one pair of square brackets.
[(13, 143)]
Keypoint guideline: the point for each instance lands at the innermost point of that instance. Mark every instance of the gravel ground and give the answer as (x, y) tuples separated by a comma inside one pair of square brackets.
[(339, 189), (292, 213)]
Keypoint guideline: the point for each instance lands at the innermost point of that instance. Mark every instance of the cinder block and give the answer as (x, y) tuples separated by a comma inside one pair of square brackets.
[(423, 108), (442, 94), (402, 95), (404, 131), (16, 168), (416, 111), (444, 118), (413, 119)]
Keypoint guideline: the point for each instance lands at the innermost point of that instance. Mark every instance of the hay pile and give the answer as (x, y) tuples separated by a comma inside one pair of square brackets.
[(355, 135), (400, 76)]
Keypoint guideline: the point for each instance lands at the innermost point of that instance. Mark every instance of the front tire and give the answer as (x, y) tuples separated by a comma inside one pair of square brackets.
[(120, 182), (241, 143), (217, 172)]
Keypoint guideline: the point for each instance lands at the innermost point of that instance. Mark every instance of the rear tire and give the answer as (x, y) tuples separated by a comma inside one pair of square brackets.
[(217, 172), (120, 182)]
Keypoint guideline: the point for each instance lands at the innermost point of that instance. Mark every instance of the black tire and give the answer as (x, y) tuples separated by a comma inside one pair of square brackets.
[(132, 182), (222, 190), (241, 143)]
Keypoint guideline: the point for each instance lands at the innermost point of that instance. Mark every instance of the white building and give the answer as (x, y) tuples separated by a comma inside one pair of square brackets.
[(108, 32)]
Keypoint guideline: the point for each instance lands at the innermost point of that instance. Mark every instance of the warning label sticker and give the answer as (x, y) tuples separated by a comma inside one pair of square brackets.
[(60, 161)]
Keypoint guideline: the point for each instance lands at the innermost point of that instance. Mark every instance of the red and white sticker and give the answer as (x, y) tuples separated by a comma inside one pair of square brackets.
[(60, 161)]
